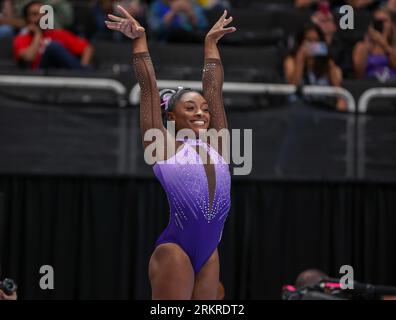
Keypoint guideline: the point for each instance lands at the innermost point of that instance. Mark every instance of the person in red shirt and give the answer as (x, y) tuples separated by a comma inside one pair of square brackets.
[(50, 48)]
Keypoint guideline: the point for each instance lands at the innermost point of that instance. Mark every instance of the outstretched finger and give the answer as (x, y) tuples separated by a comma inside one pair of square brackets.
[(228, 30), (125, 12), (113, 25), (115, 18), (221, 19), (228, 21)]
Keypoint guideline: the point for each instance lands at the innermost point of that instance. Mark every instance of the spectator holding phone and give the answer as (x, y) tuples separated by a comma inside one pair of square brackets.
[(8, 20), (177, 20), (310, 62), (341, 51), (63, 11), (375, 56)]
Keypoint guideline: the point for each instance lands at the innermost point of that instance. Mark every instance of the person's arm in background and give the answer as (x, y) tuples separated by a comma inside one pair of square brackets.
[(86, 56), (335, 77), (335, 74), (8, 17), (170, 15), (158, 23), (30, 53), (381, 40), (359, 57), (198, 17), (294, 66), (3, 296), (391, 53), (78, 46)]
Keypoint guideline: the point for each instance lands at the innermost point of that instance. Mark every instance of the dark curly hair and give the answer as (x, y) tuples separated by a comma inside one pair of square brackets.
[(169, 99)]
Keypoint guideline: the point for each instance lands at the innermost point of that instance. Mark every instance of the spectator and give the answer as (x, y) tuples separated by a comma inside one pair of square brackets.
[(310, 62), (375, 56), (212, 8), (8, 21), (55, 48), (63, 11), (136, 8), (357, 4), (209, 5), (309, 278), (341, 52), (177, 20)]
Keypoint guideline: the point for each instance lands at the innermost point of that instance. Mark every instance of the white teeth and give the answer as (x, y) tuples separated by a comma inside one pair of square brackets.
[(198, 122)]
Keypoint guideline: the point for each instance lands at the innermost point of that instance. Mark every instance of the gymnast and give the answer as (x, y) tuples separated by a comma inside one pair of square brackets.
[(185, 263)]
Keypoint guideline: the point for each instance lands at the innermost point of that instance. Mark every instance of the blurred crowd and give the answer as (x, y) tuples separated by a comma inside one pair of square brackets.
[(316, 56)]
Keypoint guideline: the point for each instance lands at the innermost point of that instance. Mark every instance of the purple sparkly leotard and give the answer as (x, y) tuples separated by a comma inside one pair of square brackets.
[(198, 193), (195, 224)]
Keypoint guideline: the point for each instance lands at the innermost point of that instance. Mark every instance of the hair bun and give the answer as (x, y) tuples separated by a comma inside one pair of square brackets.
[(165, 96)]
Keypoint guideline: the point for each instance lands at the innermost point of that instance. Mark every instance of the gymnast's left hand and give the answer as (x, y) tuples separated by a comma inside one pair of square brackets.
[(219, 29), (127, 25)]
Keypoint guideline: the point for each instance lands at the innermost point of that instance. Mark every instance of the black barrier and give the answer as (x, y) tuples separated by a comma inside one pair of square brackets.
[(293, 141), (98, 234)]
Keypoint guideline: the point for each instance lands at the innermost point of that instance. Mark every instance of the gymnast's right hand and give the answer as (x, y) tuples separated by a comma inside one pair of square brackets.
[(126, 24)]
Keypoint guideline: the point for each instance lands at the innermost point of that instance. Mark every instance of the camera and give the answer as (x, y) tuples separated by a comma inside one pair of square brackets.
[(8, 286), (331, 289), (318, 49)]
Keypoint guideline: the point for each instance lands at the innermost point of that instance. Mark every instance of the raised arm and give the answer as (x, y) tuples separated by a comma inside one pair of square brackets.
[(150, 110), (213, 74)]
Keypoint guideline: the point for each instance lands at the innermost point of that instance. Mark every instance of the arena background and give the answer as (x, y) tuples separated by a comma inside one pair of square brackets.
[(76, 194)]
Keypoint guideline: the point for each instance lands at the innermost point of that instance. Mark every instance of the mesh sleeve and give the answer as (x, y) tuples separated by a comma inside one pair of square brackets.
[(212, 83), (150, 109)]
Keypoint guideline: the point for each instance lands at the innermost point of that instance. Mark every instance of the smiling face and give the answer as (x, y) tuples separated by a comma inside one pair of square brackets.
[(191, 112)]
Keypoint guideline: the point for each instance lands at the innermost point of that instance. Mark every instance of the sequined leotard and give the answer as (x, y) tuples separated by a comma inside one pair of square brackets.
[(198, 208), (195, 224)]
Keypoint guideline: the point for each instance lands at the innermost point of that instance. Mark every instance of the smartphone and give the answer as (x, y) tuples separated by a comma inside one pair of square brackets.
[(318, 49), (378, 25)]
